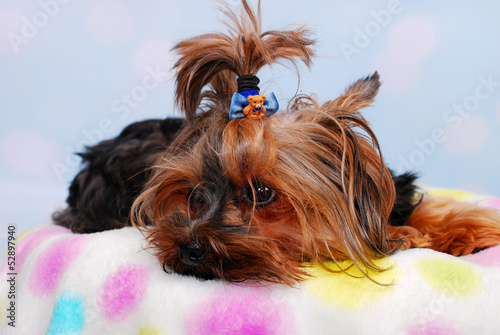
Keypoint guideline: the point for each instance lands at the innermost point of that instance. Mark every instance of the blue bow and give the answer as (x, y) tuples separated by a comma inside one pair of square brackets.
[(239, 102)]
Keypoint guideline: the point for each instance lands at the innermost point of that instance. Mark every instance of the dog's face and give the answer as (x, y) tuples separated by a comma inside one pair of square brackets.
[(254, 199)]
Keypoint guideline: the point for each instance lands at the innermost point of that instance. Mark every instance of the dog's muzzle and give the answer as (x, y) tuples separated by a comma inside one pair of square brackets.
[(191, 254)]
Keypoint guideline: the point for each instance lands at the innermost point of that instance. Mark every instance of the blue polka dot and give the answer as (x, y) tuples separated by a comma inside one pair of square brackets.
[(68, 316)]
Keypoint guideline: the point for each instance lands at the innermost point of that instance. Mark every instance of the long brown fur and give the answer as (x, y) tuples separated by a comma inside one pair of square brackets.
[(333, 192), (450, 226), (244, 50)]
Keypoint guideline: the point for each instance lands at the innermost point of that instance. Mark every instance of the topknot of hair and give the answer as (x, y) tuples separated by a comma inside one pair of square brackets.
[(206, 59)]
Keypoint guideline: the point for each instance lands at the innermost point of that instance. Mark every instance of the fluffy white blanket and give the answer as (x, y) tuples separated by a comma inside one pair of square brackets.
[(109, 283)]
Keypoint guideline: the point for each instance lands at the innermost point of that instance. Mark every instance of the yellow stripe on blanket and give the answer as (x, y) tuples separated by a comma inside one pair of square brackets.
[(446, 193)]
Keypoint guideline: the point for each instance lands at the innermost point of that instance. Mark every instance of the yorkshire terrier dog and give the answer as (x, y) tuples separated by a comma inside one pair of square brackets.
[(222, 195)]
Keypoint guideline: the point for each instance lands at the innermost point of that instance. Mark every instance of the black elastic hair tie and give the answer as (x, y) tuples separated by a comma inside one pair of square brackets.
[(248, 82)]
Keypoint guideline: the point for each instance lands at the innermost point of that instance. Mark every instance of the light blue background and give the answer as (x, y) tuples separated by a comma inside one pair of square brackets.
[(78, 62)]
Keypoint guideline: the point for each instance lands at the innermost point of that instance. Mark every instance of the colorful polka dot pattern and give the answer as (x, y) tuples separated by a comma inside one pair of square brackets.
[(123, 291), (244, 310), (247, 312), (352, 290), (450, 276), (25, 243), (53, 262), (68, 316), (118, 298)]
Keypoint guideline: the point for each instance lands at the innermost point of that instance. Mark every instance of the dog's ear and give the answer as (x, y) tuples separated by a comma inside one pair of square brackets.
[(366, 193), (357, 96)]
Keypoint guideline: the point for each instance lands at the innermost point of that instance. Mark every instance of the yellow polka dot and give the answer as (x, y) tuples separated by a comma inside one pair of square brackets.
[(451, 276), (150, 330), (352, 290), (27, 232), (20, 237), (454, 194)]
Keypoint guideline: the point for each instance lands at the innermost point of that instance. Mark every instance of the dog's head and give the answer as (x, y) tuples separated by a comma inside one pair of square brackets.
[(255, 199)]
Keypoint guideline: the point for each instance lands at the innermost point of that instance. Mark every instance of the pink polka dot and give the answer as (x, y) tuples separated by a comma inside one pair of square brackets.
[(398, 72), (410, 41), (241, 312), (468, 137), (155, 56), (492, 203), (17, 151), (435, 327), (53, 262), (25, 245), (10, 29), (110, 22), (122, 291), (488, 257), (422, 41)]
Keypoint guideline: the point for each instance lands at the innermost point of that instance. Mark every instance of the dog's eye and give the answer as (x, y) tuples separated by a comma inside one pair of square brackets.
[(196, 199), (263, 194)]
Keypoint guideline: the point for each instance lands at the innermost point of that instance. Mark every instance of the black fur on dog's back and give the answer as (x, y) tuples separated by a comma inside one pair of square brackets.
[(406, 198), (114, 172)]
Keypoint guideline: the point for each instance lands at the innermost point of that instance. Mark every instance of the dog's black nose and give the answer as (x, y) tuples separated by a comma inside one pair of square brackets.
[(191, 254)]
